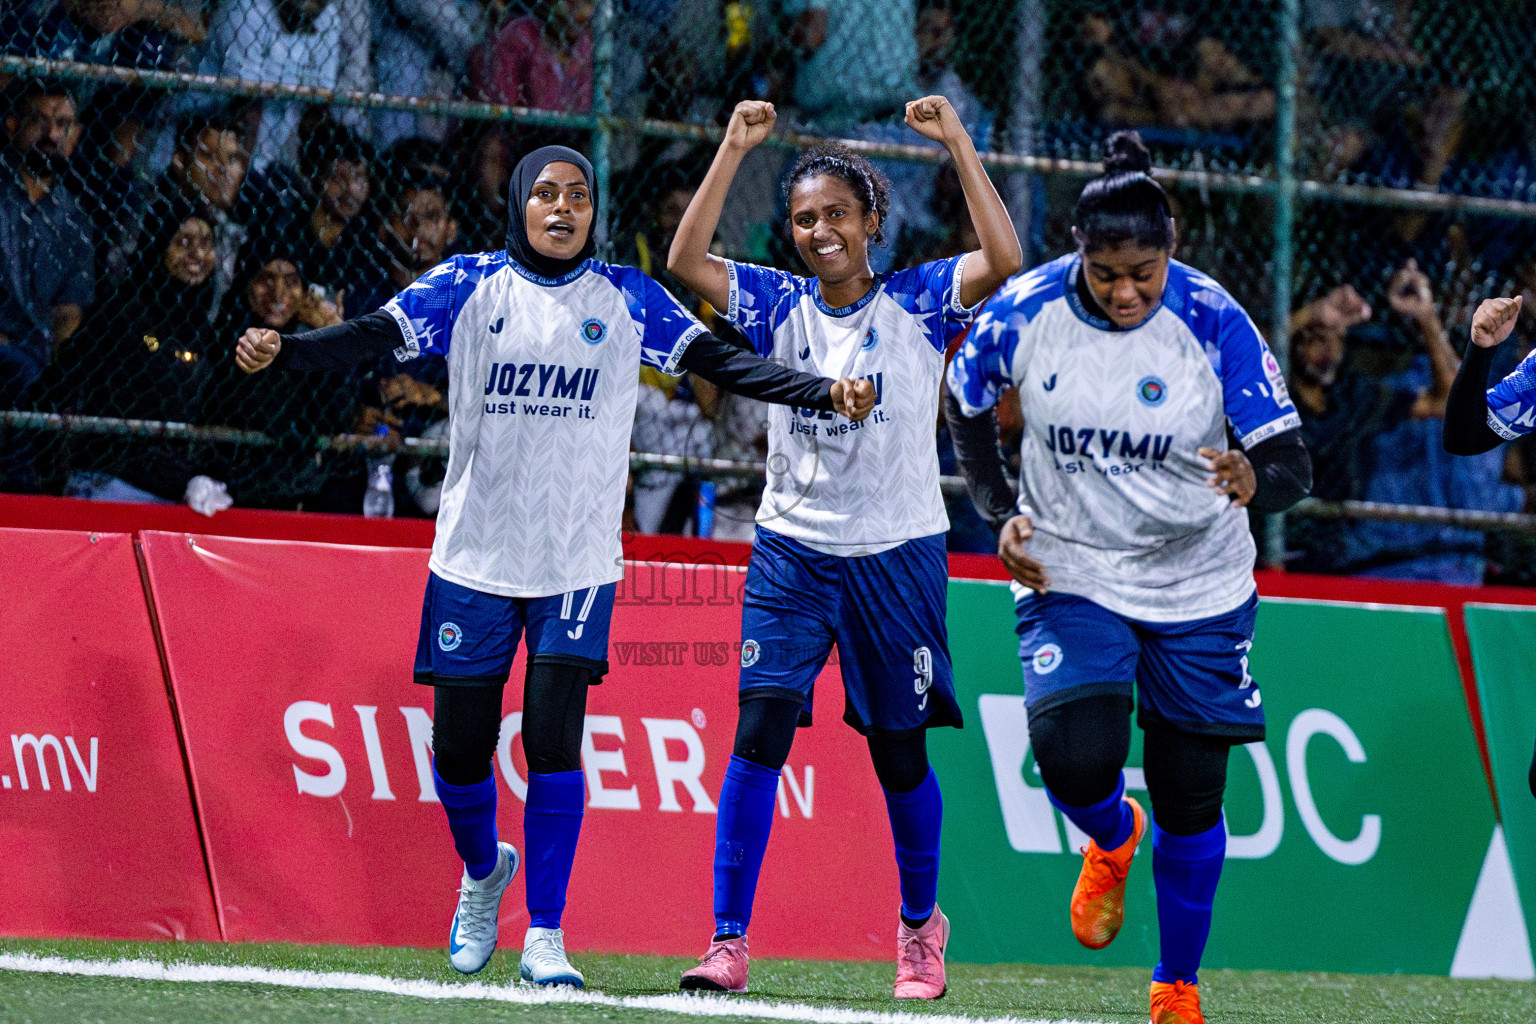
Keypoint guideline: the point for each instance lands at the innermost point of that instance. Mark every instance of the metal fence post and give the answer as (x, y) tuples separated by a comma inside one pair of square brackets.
[(1283, 265), (602, 109)]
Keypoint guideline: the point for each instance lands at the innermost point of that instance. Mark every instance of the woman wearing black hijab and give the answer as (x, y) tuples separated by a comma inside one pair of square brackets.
[(143, 352), (544, 345)]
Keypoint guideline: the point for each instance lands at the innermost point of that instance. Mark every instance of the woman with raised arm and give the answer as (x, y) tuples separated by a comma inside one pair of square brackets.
[(544, 347), (850, 534)]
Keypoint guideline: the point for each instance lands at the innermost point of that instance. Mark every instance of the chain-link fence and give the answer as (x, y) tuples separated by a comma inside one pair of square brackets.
[(1357, 172)]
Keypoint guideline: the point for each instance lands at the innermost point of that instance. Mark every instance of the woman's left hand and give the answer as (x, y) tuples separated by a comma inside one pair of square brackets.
[(933, 118), (1232, 474)]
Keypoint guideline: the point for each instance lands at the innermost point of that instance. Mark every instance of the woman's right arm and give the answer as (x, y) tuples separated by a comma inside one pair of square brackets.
[(689, 258), (340, 347)]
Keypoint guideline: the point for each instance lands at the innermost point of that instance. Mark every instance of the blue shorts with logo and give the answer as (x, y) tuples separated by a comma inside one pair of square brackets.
[(1192, 676), (885, 615), (469, 637)]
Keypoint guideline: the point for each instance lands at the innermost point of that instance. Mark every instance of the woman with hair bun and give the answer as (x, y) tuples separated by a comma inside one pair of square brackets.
[(850, 543), (1129, 541)]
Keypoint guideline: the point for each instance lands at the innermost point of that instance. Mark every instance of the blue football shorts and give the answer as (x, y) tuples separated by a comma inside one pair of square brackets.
[(885, 615), (469, 638), (1191, 676)]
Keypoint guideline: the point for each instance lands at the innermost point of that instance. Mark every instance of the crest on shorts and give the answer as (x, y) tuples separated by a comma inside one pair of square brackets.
[(871, 339), (593, 331), (1151, 390), (751, 650), (449, 636), (1047, 659)]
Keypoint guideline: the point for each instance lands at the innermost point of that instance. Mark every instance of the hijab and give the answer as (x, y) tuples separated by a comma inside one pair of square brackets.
[(182, 308), (519, 249)]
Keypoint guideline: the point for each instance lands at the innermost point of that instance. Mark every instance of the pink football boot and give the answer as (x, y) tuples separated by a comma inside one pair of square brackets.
[(920, 958), (723, 968)]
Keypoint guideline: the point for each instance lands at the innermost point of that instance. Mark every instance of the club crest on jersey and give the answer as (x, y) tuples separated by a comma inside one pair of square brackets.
[(1151, 390), (751, 650), (1047, 659), (593, 331), (871, 339), (449, 636)]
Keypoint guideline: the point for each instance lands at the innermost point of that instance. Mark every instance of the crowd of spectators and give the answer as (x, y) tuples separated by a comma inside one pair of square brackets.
[(141, 228)]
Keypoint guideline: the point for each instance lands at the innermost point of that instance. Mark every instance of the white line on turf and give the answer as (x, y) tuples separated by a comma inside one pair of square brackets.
[(685, 1005)]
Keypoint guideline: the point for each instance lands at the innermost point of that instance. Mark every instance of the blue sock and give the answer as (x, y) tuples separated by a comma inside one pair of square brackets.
[(741, 836), (916, 818), (551, 826), (1185, 870), (472, 820), (1108, 822)]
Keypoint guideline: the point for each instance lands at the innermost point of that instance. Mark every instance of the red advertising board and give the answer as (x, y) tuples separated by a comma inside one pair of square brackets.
[(308, 741), (96, 830)]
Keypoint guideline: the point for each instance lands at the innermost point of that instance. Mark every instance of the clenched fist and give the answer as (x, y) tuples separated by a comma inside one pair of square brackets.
[(256, 349), (933, 118), (853, 397), (1494, 319), (751, 122)]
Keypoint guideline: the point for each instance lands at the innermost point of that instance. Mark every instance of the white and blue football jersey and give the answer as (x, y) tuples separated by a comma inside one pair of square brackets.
[(1113, 419), (1512, 401), (542, 380), (841, 487)]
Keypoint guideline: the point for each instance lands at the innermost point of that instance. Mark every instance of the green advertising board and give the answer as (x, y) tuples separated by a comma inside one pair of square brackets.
[(1503, 642), (1357, 830)]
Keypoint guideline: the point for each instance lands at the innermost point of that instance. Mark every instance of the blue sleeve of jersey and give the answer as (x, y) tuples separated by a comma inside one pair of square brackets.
[(761, 298), (426, 311), (666, 328), (1512, 401), (931, 293), (1258, 404), (983, 368)]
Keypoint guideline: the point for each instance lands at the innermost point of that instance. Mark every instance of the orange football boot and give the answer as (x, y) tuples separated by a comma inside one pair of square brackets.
[(1098, 900), (1176, 1002)]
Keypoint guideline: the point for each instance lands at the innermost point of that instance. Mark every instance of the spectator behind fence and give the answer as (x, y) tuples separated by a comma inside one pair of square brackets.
[(934, 35), (421, 49), (127, 33), (1409, 466), (482, 168), (144, 353), (1343, 409), (298, 413), (208, 170), (858, 60), (45, 240), (334, 239), (321, 43), (415, 233), (541, 60), (1179, 78), (1362, 64)]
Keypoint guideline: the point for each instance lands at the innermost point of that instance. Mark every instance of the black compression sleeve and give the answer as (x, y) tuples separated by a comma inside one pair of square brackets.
[(751, 376), (341, 347), (1284, 472), (1466, 411), (976, 450)]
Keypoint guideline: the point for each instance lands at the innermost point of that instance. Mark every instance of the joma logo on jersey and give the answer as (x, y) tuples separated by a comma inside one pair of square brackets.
[(1096, 443), (550, 380)]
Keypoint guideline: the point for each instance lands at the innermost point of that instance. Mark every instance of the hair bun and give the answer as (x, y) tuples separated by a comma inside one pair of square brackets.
[(1125, 153)]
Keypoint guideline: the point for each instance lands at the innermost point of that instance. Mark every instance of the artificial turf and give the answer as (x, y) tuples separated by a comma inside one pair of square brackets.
[(978, 990)]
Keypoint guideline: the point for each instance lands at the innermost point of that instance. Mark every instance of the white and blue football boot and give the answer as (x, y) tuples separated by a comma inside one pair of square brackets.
[(544, 960), (472, 939)]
